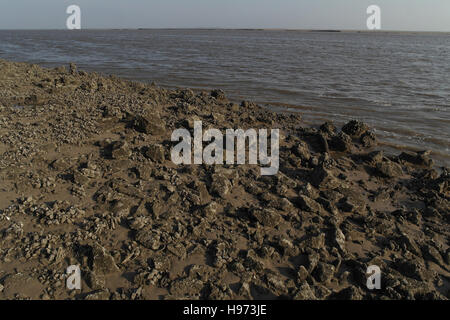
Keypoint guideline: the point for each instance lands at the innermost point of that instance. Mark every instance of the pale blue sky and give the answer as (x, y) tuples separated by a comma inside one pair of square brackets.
[(414, 15)]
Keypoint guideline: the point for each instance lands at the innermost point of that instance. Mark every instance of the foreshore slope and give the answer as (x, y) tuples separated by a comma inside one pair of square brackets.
[(86, 179)]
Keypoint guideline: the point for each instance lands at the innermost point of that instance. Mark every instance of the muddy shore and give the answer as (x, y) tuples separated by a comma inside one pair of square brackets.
[(86, 179)]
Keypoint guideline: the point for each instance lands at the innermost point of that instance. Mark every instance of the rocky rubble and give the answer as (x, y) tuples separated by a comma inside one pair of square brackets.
[(86, 179)]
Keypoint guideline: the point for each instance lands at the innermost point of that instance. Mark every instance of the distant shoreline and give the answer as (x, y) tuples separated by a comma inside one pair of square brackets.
[(245, 29)]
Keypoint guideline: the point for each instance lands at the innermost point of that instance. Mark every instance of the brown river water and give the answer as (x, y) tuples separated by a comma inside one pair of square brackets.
[(398, 83)]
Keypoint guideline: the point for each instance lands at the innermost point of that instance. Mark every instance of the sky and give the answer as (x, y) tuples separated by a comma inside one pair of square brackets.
[(402, 15)]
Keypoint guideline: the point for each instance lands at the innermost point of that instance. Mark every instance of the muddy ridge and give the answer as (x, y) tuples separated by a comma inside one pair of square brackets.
[(86, 179)]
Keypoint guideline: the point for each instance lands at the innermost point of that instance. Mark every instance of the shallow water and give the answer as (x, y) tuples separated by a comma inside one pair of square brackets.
[(399, 83)]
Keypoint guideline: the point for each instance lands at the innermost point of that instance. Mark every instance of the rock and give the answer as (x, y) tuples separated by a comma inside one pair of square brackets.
[(355, 128), (305, 293), (156, 153), (341, 142), (323, 272), (102, 262), (161, 262), (322, 177), (73, 68), (302, 274), (375, 157), (99, 295), (324, 143), (35, 100), (389, 169), (302, 151), (244, 290), (150, 239), (328, 128), (187, 287), (112, 112), (368, 139), (432, 254), (408, 243), (420, 158), (287, 248), (309, 204), (276, 283), (157, 208), (339, 239), (266, 217), (411, 269), (235, 107), (120, 150), (60, 164), (150, 124), (315, 242), (94, 281), (210, 210), (245, 104), (218, 94), (80, 178), (309, 191), (220, 185)]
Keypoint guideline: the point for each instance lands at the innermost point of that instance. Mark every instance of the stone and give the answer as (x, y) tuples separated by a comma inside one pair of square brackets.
[(419, 159), (355, 128), (389, 169), (309, 204), (150, 124), (220, 185), (156, 153), (322, 177), (341, 142), (315, 242), (323, 272), (73, 68), (120, 150), (98, 295), (94, 281), (309, 191), (339, 239), (302, 274), (35, 100), (368, 139), (210, 210), (186, 287), (150, 239), (375, 157), (102, 262), (328, 128), (267, 217), (432, 254), (218, 94), (305, 293), (302, 151), (412, 269)]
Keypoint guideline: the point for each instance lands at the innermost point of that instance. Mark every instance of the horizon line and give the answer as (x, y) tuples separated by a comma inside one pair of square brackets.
[(228, 28)]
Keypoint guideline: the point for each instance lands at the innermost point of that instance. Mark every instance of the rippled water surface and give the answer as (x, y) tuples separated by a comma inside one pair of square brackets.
[(398, 83)]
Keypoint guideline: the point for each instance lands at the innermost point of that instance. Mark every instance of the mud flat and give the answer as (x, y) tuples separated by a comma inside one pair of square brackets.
[(86, 179)]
